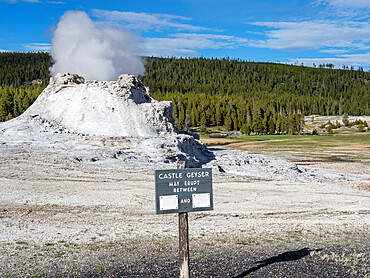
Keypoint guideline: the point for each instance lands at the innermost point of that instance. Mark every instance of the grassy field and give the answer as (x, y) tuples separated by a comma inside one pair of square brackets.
[(346, 144), (353, 146)]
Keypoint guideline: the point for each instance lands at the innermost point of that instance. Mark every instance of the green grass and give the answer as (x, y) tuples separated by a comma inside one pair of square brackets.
[(100, 269), (39, 275), (305, 141), (281, 140), (352, 146)]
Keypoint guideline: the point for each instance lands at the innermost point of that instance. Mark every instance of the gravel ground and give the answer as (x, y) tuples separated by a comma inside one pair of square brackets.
[(158, 258), (59, 218)]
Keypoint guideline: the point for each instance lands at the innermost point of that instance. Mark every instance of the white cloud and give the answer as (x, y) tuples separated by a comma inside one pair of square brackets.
[(56, 2), (312, 35), (33, 1), (17, 1), (353, 4), (145, 21), (334, 51), (345, 59), (37, 46), (3, 50), (188, 44), (354, 9)]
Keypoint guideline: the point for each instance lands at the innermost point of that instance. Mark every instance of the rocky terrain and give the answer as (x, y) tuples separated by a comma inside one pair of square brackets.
[(77, 196)]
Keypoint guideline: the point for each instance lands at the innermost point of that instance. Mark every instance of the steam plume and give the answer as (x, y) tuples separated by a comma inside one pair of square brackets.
[(79, 46)]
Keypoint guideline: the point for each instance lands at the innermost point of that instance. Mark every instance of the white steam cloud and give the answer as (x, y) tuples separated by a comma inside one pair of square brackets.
[(79, 46)]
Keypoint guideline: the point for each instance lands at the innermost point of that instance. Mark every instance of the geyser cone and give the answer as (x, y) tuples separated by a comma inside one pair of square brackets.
[(122, 109)]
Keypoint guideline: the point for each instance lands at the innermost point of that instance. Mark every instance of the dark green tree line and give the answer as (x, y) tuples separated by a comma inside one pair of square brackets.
[(262, 98), (17, 68), (23, 76)]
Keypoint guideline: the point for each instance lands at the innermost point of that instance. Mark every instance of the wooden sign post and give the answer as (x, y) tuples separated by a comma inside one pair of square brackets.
[(184, 245), (180, 191), (183, 237)]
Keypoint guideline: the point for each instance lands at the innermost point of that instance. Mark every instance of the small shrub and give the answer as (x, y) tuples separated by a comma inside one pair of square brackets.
[(100, 269), (345, 119), (359, 122), (329, 129), (330, 124)]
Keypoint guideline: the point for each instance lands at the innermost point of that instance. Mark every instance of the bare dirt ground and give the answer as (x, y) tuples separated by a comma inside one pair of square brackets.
[(60, 219)]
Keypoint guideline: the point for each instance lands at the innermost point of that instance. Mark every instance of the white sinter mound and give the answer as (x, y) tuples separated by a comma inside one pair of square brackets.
[(123, 108), (118, 123), (117, 113)]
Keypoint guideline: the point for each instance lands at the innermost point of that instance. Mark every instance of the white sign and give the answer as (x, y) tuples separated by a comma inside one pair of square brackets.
[(169, 202), (201, 200)]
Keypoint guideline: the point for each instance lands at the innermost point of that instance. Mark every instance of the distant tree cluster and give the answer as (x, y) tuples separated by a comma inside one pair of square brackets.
[(23, 76), (260, 98), (232, 113), (17, 68), (14, 101), (360, 124)]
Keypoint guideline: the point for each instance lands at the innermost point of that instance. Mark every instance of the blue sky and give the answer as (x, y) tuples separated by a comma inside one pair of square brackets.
[(291, 31)]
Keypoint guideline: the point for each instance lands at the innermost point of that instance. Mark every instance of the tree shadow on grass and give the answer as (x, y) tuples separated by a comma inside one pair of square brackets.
[(284, 257)]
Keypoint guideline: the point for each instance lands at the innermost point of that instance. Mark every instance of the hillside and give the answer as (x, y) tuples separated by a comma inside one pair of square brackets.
[(253, 97), (17, 71), (18, 68)]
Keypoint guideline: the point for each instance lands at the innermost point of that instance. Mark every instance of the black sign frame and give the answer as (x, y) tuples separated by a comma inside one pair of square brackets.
[(190, 188)]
